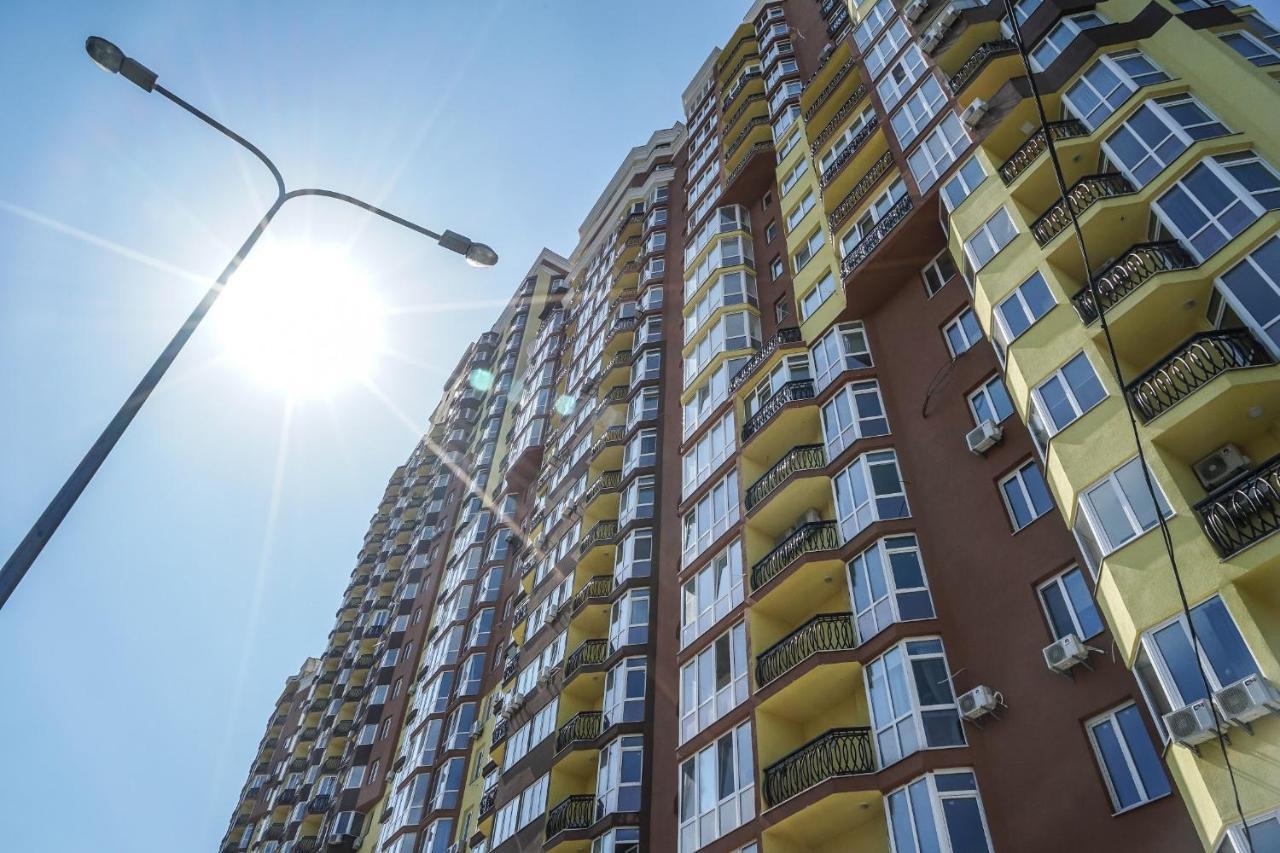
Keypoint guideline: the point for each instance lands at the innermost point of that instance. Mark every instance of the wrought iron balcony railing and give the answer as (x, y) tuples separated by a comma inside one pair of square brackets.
[(784, 336), (500, 732), (1127, 272), (1038, 143), (1082, 195), (488, 800), (827, 90), (583, 726), (602, 532), (574, 812), (838, 752), (759, 148), (826, 632), (860, 190), (978, 60), (855, 145), (814, 536), (1192, 365), (836, 120), (588, 653), (733, 146), (892, 219), (796, 389), (803, 457), (1243, 511), (596, 589)]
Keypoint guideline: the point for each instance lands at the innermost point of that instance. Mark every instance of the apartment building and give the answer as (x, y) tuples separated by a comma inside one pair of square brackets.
[(799, 509)]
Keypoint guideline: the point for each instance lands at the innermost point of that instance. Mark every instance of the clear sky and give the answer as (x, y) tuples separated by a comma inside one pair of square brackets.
[(143, 653)]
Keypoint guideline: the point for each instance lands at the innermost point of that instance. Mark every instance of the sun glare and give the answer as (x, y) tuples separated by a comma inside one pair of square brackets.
[(301, 318)]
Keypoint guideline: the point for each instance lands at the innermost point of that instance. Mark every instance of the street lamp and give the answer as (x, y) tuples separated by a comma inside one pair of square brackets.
[(112, 59)]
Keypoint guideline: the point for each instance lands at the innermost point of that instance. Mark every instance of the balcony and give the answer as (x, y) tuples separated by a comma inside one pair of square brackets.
[(868, 244), (601, 534), (855, 145), (500, 731), (1127, 273), (805, 457), (573, 812), (1243, 512), (860, 191), (588, 653), (828, 90), (488, 800), (826, 632), (793, 391), (838, 752), (811, 537), (1191, 366), (1082, 195), (978, 60), (594, 591), (580, 728), (846, 108), (783, 337), (1037, 143)]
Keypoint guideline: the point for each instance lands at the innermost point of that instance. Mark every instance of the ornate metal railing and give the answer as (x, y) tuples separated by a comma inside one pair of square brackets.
[(597, 588), (826, 632), (575, 812), (488, 800), (607, 481), (803, 457), (612, 436), (509, 670), (796, 389), (1081, 196), (827, 90), (759, 147), (814, 536), (587, 653), (860, 190), (742, 135), (521, 611), (784, 336), (742, 108), (1130, 270), (615, 395), (621, 325), (585, 725), (986, 52), (602, 532), (838, 752), (1038, 143), (1193, 364), (855, 145), (868, 244), (838, 23), (1243, 511), (619, 358), (836, 120), (500, 732)]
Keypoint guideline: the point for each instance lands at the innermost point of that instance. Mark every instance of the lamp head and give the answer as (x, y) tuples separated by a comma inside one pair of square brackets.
[(110, 58), (477, 254)]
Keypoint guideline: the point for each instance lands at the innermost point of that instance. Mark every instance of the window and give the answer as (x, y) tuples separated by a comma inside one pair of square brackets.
[(620, 840), (715, 512), (1116, 510), (887, 585), (901, 76), (869, 490), (633, 557), (711, 451), (812, 244), (1264, 834), (1250, 48), (771, 232), (1068, 393), (912, 706), (521, 810), (843, 347), (635, 501), (717, 789), (714, 682), (1253, 289), (960, 185), (1062, 34), (642, 407), (1018, 311), (793, 368), (708, 596), (1026, 497), (994, 234), (646, 366), (1128, 760), (1169, 661), (877, 16), (944, 144), (1156, 133), (629, 620), (855, 411), (1068, 605), (1217, 200), (449, 784), (864, 224), (962, 333), (619, 776), (799, 212), (846, 140), (937, 273), (936, 809), (990, 402), (640, 452), (777, 268), (1108, 83), (790, 179), (624, 692), (1263, 30), (817, 295), (885, 48), (782, 309), (531, 734)]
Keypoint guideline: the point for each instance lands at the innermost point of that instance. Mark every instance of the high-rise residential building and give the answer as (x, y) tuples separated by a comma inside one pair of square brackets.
[(799, 508)]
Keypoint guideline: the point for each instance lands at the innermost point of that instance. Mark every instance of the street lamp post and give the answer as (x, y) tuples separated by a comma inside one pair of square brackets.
[(112, 59)]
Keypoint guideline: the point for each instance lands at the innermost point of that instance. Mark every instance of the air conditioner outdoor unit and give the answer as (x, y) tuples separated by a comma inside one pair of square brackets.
[(812, 516), (974, 112), (1066, 653), (915, 9), (979, 702), (1220, 466), (983, 437), (931, 38), (1248, 699), (947, 16), (826, 53), (1192, 725)]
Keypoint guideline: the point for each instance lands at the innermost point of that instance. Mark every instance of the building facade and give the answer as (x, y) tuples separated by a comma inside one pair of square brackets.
[(799, 508)]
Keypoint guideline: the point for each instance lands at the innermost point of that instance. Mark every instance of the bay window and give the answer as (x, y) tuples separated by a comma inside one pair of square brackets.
[(887, 585), (1116, 510), (1219, 198), (629, 620), (712, 449), (619, 776), (633, 557), (1062, 34), (717, 789), (1108, 83), (855, 411), (714, 513), (912, 705), (939, 811), (942, 147), (1157, 132), (843, 347), (876, 211), (641, 451), (714, 682), (635, 501), (624, 688), (708, 596), (870, 489), (1252, 287), (909, 120)]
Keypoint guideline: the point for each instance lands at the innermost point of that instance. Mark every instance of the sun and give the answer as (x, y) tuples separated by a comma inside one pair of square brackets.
[(301, 318)]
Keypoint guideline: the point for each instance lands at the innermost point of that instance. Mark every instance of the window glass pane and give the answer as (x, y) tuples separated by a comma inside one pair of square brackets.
[(964, 825), (1150, 768), (1115, 765), (1222, 643)]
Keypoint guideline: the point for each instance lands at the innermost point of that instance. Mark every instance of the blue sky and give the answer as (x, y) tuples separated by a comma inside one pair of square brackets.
[(144, 651)]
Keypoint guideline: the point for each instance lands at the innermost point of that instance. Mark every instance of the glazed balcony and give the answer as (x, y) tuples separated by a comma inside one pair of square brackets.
[(892, 218), (1243, 512), (582, 727), (1037, 144), (1192, 365), (571, 813), (826, 632), (810, 538), (793, 391), (784, 337), (1127, 273), (1083, 194), (805, 457), (838, 752)]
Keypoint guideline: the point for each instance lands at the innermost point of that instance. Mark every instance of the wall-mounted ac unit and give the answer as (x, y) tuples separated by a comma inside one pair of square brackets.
[(947, 16), (1192, 725), (978, 702), (1247, 699), (1220, 466), (1065, 653), (983, 437), (915, 9), (931, 38), (973, 113)]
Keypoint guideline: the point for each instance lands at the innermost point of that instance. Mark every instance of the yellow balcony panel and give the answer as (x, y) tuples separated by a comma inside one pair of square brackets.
[(600, 500), (866, 147), (841, 759), (832, 818), (696, 334), (751, 104), (741, 145), (964, 25), (818, 136), (590, 606), (629, 249), (627, 277), (606, 453), (1028, 171), (584, 671), (595, 548), (798, 571), (739, 49), (805, 663), (801, 482), (617, 369), (577, 744), (790, 414), (830, 86), (992, 64), (839, 209), (618, 336), (766, 358)]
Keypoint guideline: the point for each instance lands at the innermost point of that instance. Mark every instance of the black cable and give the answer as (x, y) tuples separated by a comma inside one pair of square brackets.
[(1095, 295)]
